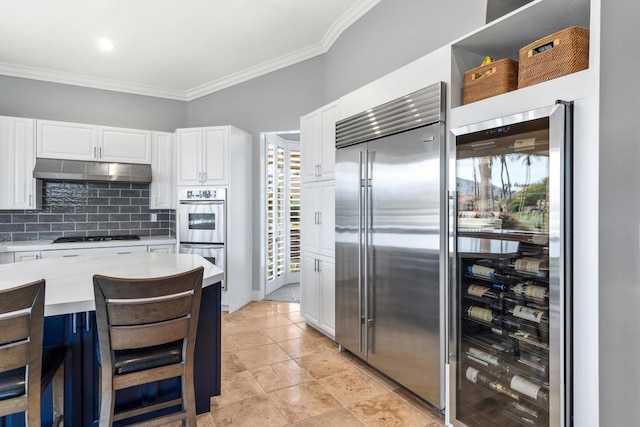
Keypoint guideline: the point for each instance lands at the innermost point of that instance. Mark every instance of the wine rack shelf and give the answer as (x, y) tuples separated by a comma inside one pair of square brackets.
[(505, 332)]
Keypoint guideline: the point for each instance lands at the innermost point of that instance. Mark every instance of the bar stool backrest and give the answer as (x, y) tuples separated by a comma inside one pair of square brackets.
[(21, 329), (135, 315)]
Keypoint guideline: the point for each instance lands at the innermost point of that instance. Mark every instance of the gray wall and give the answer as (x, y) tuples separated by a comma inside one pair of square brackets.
[(54, 101), (395, 33), (273, 102), (497, 8), (619, 248)]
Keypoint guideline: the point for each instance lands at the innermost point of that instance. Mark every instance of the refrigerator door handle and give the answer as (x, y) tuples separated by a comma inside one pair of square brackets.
[(450, 275), (368, 226), (360, 244)]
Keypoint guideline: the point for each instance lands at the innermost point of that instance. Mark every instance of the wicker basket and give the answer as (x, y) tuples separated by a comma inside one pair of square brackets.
[(490, 80), (554, 56)]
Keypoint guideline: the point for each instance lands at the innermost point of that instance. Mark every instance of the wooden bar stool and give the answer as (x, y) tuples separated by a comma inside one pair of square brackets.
[(147, 332), (25, 368)]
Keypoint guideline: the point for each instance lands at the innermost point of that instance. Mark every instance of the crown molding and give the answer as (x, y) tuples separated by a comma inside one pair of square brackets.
[(337, 28), (255, 71), (345, 20), (333, 33), (54, 76)]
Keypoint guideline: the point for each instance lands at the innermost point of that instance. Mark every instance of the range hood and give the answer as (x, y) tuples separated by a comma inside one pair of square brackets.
[(78, 170)]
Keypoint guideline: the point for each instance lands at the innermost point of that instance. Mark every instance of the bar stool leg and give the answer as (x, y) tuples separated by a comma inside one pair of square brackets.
[(58, 397)]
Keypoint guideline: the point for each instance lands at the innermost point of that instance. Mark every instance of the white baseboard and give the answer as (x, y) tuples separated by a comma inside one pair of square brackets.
[(255, 296)]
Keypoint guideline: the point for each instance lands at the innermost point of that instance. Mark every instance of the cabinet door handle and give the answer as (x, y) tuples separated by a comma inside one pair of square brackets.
[(74, 322), (30, 200), (319, 266), (86, 318), (319, 169), (100, 151), (319, 217), (204, 175), (95, 152)]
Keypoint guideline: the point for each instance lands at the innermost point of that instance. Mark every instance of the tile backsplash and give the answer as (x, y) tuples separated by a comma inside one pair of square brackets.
[(88, 209)]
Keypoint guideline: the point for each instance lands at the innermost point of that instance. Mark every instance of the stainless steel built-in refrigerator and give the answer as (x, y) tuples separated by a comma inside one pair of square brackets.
[(510, 347), (389, 240)]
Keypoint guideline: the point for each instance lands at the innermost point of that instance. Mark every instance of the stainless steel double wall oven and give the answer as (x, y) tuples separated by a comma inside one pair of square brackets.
[(202, 214)]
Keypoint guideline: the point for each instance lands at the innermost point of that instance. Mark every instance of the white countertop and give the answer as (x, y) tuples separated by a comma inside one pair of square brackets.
[(43, 245), (69, 281)]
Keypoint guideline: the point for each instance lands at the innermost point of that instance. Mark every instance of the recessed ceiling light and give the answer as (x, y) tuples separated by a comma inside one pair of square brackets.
[(105, 44)]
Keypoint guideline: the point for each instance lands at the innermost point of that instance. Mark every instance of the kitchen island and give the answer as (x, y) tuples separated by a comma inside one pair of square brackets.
[(70, 319)]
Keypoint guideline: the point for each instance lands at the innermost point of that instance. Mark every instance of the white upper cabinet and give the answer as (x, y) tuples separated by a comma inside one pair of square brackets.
[(318, 218), (318, 143), (77, 141), (189, 155), (17, 159), (124, 145), (215, 155), (72, 141), (162, 190), (203, 156)]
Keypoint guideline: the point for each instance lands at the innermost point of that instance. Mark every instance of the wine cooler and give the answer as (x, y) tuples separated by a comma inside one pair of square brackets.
[(510, 268)]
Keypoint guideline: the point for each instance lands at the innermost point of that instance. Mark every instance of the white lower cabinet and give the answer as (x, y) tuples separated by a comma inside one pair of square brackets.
[(317, 292), (109, 250), (119, 250), (161, 249), (26, 256)]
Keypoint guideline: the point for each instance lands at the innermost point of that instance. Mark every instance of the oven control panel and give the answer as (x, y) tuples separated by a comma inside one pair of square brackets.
[(196, 194)]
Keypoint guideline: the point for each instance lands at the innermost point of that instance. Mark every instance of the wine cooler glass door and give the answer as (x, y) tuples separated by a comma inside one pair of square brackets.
[(509, 276)]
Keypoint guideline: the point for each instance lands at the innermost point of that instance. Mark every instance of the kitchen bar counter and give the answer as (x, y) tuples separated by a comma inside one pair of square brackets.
[(69, 281), (70, 319)]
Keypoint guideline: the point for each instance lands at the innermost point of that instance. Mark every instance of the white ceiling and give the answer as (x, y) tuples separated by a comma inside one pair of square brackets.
[(177, 49)]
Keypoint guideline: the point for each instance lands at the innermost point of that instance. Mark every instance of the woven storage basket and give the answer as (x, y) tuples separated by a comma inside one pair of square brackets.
[(554, 56), (490, 80)]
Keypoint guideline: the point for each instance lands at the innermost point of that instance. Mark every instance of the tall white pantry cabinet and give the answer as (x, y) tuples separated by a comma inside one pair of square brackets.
[(220, 157), (317, 278)]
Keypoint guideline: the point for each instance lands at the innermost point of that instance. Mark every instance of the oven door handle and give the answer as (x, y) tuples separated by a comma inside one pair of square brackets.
[(201, 246), (202, 202)]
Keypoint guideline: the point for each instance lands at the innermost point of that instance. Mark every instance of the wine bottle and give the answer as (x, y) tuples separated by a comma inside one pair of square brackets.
[(483, 314), (539, 239), (529, 313), (483, 291), (537, 365), (529, 265), (527, 290), (516, 384), (487, 316), (486, 359), (526, 414), (477, 377), (528, 388), (527, 338), (481, 271)]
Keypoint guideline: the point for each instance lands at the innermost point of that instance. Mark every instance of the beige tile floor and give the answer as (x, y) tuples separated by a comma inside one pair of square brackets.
[(278, 371)]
